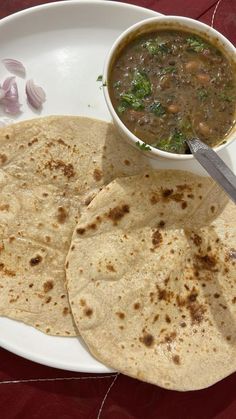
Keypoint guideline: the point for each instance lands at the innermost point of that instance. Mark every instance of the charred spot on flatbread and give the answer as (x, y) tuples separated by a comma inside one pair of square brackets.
[(36, 260), (117, 213)]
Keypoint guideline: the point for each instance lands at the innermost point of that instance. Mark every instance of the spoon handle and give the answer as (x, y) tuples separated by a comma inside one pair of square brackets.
[(214, 165)]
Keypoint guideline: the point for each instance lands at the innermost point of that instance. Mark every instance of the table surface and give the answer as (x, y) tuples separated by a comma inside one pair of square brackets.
[(29, 390)]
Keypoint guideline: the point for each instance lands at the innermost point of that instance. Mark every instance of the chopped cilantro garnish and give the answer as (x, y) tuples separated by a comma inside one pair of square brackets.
[(167, 70), (163, 47), (130, 100), (141, 85), (117, 84), (185, 127), (121, 108), (174, 144), (151, 46), (143, 146), (225, 97), (100, 79), (196, 44), (154, 47), (157, 108), (202, 94)]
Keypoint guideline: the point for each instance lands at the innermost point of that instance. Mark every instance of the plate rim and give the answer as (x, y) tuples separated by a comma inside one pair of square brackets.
[(61, 4)]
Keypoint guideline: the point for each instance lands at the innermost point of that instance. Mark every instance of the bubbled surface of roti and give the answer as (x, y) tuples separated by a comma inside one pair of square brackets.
[(155, 295), (50, 168)]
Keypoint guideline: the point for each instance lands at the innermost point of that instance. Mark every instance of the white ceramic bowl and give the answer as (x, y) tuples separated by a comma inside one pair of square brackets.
[(149, 25)]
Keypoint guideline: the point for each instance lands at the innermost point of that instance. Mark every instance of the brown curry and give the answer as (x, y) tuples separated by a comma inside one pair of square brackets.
[(171, 85)]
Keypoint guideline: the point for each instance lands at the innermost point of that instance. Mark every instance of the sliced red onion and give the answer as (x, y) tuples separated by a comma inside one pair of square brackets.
[(12, 93), (10, 96), (11, 107), (14, 66), (35, 94), (7, 84)]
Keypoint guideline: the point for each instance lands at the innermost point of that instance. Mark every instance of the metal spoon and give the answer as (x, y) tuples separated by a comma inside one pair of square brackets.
[(214, 165)]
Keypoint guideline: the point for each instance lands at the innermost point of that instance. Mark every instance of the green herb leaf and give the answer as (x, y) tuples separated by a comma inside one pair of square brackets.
[(225, 97), (151, 46), (143, 146), (121, 108), (130, 100), (99, 77), (155, 46), (163, 48), (174, 144), (202, 94), (141, 85), (117, 84), (168, 70), (157, 108), (185, 127), (196, 44)]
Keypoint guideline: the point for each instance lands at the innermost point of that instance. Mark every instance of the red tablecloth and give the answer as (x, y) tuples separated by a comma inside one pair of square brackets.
[(32, 391)]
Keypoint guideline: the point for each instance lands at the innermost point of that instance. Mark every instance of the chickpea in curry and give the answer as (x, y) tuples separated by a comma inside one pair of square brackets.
[(171, 85)]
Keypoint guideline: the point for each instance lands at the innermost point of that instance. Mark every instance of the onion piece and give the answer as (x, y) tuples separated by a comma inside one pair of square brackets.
[(7, 84), (11, 107), (10, 96), (12, 93), (14, 66), (35, 94)]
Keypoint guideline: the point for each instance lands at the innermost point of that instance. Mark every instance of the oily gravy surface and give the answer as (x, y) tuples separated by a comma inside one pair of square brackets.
[(170, 85)]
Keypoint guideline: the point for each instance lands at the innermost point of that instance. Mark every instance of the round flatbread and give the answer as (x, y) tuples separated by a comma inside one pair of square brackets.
[(49, 169), (151, 277)]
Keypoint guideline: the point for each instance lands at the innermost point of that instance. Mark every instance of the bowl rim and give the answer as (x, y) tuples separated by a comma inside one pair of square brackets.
[(187, 23)]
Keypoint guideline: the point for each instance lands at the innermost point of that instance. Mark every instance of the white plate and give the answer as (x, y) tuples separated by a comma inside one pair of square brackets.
[(63, 46)]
